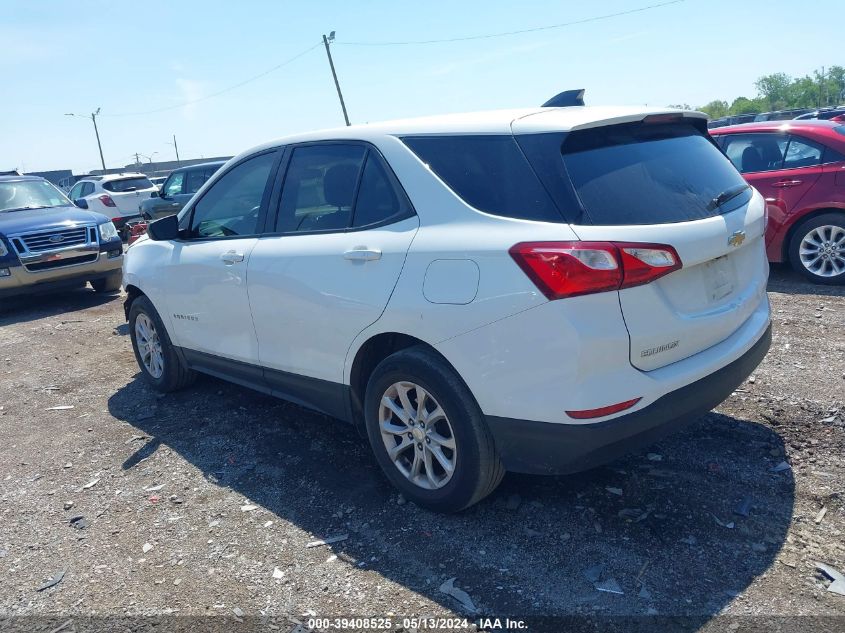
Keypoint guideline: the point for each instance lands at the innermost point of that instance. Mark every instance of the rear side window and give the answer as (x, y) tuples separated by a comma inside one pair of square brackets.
[(488, 172), (648, 173), (128, 184), (802, 153)]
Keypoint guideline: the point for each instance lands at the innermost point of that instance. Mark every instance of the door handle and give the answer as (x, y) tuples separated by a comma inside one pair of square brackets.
[(784, 184), (231, 257), (362, 254)]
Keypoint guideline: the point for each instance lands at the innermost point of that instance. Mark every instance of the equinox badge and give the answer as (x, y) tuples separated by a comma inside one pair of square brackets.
[(736, 238)]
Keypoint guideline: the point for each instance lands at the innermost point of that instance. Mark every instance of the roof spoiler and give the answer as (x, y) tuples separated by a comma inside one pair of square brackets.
[(566, 99)]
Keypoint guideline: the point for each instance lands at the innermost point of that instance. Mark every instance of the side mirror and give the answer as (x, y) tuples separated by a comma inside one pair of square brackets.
[(154, 194), (82, 203), (164, 229)]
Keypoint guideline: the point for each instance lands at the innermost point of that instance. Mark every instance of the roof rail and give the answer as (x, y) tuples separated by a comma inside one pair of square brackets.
[(565, 99)]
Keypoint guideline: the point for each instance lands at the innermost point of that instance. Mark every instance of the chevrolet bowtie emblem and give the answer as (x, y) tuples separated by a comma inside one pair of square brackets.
[(736, 238)]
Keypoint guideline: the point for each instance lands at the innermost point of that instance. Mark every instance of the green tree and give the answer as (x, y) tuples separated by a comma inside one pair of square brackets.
[(744, 105), (716, 109), (774, 90)]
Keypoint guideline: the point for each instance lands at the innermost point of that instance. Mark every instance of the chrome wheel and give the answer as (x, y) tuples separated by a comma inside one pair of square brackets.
[(417, 435), (822, 251), (149, 345)]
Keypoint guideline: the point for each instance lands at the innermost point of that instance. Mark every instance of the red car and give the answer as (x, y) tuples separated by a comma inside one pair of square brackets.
[(799, 167)]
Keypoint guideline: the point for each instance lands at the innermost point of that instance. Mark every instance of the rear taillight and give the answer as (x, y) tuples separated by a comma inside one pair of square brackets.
[(107, 200), (570, 269)]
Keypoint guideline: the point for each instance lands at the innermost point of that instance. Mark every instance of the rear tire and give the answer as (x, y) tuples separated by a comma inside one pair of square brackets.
[(817, 249), (161, 365), (448, 428), (108, 284)]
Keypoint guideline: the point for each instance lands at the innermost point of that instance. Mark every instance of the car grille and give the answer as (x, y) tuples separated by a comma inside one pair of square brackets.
[(59, 263), (37, 242)]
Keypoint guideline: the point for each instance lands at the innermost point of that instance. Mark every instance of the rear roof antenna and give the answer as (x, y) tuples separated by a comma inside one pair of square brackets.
[(566, 99)]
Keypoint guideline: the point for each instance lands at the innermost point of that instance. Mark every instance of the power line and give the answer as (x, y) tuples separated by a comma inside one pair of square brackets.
[(224, 90), (507, 33)]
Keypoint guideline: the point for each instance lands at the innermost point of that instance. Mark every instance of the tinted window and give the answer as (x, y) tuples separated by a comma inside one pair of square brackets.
[(173, 186), (752, 153), (319, 188), (802, 153), (87, 189), (232, 205), (128, 184), (195, 179), (378, 200), (648, 173), (832, 156), (488, 172)]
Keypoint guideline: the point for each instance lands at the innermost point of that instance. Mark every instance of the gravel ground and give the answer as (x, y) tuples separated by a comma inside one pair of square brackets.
[(204, 502)]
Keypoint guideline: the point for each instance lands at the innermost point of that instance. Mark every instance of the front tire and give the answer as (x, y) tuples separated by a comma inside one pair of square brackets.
[(817, 249), (108, 284), (428, 433), (161, 366)]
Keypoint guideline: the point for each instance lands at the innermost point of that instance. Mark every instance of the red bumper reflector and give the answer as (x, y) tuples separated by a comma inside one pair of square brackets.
[(602, 411)]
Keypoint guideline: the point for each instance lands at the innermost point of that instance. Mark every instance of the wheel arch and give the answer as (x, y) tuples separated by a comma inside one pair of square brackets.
[(793, 227), (132, 293), (371, 352)]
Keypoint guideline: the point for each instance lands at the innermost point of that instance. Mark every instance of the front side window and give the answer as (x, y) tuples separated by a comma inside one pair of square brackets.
[(802, 153), (319, 188), (232, 205), (195, 179), (751, 153), (173, 186)]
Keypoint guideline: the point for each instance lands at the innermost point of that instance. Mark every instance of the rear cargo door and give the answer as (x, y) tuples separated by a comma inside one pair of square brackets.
[(128, 193), (659, 181)]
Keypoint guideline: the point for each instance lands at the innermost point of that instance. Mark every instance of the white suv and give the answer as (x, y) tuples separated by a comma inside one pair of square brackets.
[(117, 196), (535, 290)]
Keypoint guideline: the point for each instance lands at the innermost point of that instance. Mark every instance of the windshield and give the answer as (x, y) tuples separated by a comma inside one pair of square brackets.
[(30, 194)]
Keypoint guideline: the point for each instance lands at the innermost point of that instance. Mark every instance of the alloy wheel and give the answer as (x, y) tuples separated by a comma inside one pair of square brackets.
[(822, 251), (149, 345), (417, 435)]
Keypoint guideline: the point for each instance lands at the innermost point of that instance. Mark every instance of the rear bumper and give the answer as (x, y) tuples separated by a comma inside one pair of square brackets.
[(552, 448)]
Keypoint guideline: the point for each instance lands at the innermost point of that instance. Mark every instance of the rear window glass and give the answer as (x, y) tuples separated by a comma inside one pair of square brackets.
[(128, 184), (649, 174), (489, 172)]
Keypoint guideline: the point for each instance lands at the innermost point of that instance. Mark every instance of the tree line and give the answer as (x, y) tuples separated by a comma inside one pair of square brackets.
[(779, 91)]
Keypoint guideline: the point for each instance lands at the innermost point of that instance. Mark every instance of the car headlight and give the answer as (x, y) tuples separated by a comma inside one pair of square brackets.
[(3, 250), (107, 231)]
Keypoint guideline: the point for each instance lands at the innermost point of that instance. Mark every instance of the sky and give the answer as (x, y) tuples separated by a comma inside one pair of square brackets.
[(130, 58)]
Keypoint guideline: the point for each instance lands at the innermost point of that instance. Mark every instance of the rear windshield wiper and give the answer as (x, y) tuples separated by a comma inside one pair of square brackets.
[(726, 195)]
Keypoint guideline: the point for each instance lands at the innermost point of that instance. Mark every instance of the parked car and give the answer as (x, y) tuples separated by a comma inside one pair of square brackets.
[(135, 232), (537, 290), (731, 120), (825, 114), (116, 196), (780, 115), (179, 187), (158, 181), (799, 167), (46, 243)]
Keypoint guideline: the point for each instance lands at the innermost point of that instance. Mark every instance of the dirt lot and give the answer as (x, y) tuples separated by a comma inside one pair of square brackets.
[(203, 502)]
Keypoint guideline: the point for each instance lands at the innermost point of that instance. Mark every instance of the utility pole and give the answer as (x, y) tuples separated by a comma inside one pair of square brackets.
[(326, 41), (96, 132), (176, 147)]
